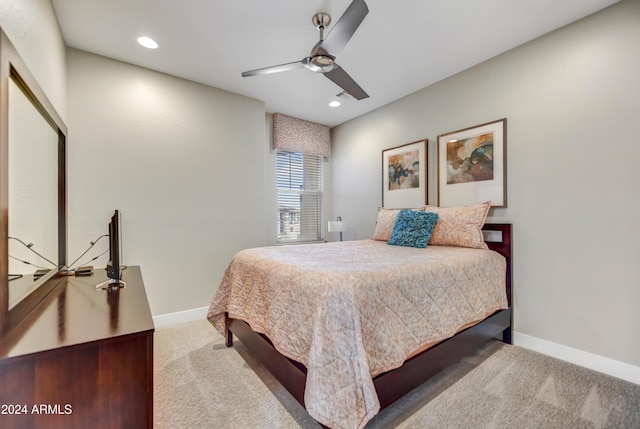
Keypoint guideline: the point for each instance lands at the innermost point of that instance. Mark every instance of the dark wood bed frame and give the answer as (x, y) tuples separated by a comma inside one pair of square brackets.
[(392, 385)]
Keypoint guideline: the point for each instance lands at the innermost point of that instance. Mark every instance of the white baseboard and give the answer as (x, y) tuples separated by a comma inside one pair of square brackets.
[(592, 361), (180, 317)]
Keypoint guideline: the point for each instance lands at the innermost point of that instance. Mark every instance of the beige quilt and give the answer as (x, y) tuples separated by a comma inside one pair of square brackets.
[(351, 310)]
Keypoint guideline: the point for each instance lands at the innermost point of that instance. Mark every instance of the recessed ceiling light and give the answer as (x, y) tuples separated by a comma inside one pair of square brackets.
[(334, 103), (147, 42)]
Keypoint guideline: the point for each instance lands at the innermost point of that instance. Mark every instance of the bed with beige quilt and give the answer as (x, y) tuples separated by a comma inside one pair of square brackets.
[(338, 323)]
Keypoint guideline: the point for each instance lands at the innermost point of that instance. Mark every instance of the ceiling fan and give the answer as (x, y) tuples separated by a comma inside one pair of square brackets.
[(323, 55)]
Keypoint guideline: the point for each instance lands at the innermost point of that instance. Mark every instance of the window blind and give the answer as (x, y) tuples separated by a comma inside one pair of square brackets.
[(299, 181)]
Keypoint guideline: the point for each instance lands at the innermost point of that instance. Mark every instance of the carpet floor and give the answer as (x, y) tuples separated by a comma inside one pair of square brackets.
[(200, 383)]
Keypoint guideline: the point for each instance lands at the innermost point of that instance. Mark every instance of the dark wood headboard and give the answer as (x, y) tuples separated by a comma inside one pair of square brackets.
[(502, 245)]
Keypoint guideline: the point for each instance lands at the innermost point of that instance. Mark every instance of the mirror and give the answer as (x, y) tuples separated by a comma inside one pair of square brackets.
[(33, 196), (33, 190)]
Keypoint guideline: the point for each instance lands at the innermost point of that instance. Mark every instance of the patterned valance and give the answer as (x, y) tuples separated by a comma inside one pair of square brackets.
[(298, 135)]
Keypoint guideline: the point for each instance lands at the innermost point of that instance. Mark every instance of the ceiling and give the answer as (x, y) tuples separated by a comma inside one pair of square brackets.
[(399, 48)]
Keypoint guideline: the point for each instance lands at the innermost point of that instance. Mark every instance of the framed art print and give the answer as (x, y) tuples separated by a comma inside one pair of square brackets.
[(472, 165), (404, 175)]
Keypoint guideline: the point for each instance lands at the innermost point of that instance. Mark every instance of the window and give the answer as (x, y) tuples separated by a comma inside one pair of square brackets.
[(299, 182)]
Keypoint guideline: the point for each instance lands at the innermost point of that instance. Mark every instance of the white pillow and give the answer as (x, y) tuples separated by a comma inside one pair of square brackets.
[(459, 226)]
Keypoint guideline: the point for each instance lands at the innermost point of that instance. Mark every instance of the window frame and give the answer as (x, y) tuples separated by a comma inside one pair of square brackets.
[(311, 182)]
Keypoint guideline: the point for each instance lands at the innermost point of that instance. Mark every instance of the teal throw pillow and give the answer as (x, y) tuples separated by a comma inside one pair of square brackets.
[(413, 228)]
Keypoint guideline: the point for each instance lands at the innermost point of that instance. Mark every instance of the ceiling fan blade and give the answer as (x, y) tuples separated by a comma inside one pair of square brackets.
[(275, 69), (342, 31), (344, 81)]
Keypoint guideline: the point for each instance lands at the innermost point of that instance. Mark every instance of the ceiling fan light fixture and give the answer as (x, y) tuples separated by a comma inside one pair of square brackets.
[(320, 63)]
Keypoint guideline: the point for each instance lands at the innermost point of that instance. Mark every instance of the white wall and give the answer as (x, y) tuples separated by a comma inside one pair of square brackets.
[(572, 101), (32, 27), (183, 162)]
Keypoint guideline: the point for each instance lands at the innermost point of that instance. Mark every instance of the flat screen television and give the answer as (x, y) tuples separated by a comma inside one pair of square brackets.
[(114, 264)]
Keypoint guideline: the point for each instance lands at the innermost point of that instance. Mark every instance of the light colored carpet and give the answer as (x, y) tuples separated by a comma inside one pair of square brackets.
[(200, 383)]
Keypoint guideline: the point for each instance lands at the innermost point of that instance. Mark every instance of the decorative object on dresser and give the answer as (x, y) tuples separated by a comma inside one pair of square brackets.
[(404, 175), (472, 165)]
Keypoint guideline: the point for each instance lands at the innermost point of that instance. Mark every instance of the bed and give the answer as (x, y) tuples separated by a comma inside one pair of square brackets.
[(346, 352)]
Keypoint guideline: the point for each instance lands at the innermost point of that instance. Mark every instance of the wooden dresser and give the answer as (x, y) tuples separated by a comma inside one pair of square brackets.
[(83, 358)]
